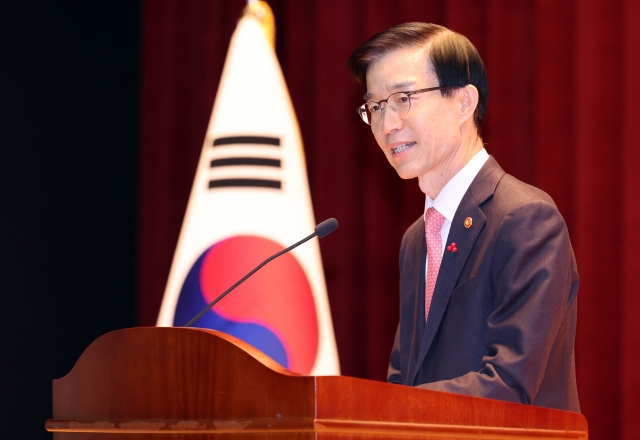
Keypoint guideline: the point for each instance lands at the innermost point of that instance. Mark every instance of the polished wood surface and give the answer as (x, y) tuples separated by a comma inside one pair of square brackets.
[(176, 383)]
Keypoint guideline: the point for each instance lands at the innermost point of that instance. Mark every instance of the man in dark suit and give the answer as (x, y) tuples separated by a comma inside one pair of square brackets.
[(488, 279)]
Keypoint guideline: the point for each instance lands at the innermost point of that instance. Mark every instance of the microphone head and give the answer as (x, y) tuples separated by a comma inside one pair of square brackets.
[(326, 227)]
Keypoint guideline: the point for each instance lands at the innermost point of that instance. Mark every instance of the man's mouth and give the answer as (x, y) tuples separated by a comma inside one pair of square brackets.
[(402, 147)]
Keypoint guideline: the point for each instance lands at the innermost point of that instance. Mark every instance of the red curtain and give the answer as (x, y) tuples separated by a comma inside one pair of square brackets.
[(561, 116)]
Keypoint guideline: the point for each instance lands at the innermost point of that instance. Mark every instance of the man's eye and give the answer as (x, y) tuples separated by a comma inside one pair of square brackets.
[(374, 108), (402, 99)]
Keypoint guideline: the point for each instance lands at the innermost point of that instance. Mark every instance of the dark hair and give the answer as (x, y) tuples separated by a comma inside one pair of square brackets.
[(455, 61)]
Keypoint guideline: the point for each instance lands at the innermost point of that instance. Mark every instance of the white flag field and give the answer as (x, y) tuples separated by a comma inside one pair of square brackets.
[(250, 199)]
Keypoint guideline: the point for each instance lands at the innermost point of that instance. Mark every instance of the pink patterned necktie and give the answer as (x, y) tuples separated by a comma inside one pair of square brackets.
[(432, 226)]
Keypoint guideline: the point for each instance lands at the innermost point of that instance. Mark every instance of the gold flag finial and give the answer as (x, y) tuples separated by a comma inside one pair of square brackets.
[(261, 10)]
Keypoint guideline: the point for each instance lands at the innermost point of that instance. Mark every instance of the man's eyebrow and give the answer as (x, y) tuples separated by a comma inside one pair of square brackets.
[(398, 86), (402, 85)]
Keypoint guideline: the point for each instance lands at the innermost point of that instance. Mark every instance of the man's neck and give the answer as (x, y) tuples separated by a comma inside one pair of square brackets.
[(432, 183)]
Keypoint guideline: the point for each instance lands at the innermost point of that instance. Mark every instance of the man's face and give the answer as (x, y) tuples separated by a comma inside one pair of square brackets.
[(423, 142)]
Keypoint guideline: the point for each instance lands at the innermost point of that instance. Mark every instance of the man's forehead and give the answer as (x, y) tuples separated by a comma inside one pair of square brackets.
[(398, 70)]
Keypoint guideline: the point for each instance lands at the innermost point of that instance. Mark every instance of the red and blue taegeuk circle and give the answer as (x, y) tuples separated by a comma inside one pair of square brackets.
[(273, 310)]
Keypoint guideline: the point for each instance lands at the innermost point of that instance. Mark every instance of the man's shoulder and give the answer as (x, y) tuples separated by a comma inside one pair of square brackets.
[(515, 191), (495, 186)]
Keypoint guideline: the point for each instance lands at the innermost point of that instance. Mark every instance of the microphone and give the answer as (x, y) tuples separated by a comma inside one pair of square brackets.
[(321, 230)]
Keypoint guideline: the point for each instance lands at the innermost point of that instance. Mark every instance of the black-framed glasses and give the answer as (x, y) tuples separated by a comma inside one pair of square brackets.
[(371, 112)]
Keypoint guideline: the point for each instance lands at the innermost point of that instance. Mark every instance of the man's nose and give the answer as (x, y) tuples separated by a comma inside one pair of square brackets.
[(391, 121)]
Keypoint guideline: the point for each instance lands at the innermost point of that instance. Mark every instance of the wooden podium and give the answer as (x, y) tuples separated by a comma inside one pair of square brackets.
[(196, 384)]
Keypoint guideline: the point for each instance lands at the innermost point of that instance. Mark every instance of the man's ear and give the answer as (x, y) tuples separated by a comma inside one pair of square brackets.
[(468, 101)]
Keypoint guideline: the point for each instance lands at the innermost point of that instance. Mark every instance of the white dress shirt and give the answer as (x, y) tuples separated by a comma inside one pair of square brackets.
[(449, 198)]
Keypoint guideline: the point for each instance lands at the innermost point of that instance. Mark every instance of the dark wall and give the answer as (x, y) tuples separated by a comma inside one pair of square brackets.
[(68, 126)]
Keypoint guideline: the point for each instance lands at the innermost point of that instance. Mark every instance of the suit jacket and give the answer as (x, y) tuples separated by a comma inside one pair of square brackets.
[(502, 320)]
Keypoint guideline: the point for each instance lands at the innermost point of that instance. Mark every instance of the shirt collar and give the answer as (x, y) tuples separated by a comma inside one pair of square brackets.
[(447, 201)]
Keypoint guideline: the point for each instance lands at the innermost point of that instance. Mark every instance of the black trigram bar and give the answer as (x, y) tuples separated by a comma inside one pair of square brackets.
[(259, 140), (259, 183), (255, 161)]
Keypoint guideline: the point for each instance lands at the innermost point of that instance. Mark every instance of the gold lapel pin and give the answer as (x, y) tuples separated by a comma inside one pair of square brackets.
[(468, 222)]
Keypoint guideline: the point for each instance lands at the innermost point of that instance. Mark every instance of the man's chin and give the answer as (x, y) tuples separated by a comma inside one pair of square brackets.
[(405, 173)]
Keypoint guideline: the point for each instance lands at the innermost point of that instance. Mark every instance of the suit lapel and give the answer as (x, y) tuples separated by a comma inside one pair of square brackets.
[(416, 312), (482, 187)]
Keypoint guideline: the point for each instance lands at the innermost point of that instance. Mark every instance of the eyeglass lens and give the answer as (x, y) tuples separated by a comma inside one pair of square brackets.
[(371, 112)]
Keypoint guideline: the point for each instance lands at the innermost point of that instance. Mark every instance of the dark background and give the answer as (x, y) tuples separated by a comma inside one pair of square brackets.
[(104, 108), (69, 82)]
